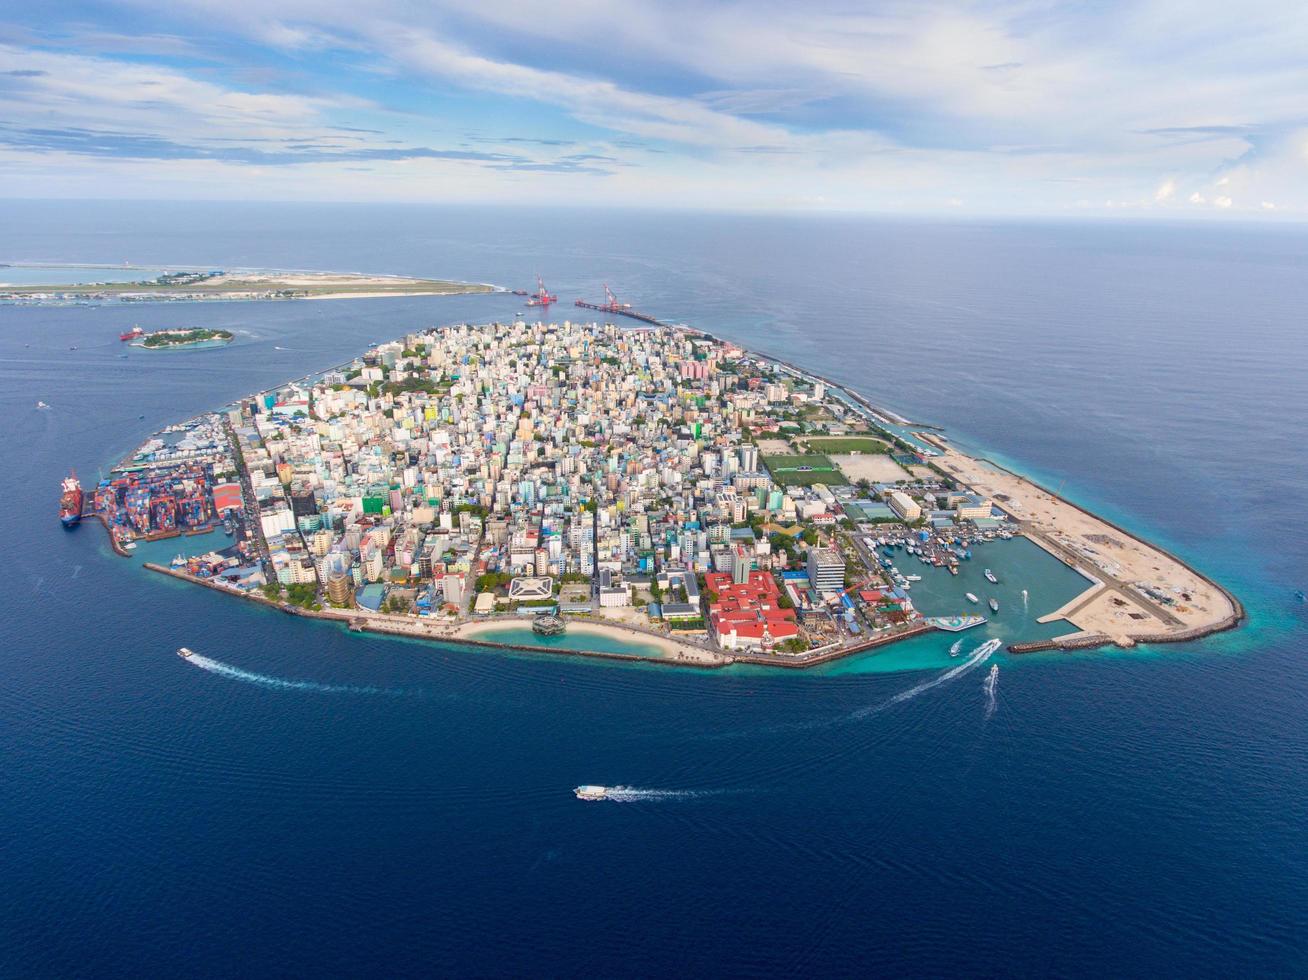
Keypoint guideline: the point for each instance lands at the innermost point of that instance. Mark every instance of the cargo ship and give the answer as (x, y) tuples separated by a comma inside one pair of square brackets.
[(131, 334), (70, 502)]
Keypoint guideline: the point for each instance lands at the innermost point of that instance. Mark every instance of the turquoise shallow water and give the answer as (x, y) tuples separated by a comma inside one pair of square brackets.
[(324, 802), (573, 640)]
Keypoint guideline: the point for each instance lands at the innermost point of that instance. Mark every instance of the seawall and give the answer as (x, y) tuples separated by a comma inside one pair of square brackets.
[(421, 631)]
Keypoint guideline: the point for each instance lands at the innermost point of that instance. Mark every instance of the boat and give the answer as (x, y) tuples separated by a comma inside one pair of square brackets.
[(991, 679), (1300, 596), (972, 598), (914, 578), (954, 624), (994, 605), (990, 577), (954, 650), (185, 652), (131, 334), (42, 405), (70, 502), (178, 561), (953, 569), (581, 792)]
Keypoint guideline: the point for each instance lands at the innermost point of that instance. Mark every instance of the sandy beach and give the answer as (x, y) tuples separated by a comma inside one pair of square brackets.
[(1130, 576), (667, 647)]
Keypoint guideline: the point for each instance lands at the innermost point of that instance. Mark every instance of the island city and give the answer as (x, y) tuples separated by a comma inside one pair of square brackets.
[(523, 484)]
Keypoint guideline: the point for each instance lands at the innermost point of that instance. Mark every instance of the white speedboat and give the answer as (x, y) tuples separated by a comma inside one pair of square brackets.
[(990, 577), (591, 792), (994, 605), (958, 645), (972, 598), (185, 652)]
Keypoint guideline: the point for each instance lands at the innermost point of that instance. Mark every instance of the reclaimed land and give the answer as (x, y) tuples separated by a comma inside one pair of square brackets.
[(1129, 578), (257, 285)]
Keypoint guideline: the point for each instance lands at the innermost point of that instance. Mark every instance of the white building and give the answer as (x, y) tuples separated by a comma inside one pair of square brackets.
[(826, 570), (904, 505)]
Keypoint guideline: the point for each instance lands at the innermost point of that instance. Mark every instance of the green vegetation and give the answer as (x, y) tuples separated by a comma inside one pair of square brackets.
[(686, 624), (803, 471), (491, 581), (180, 338), (304, 595), (846, 444), (794, 645), (415, 384)]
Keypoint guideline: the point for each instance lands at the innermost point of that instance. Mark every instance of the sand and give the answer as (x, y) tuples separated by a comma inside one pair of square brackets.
[(1126, 567), (667, 647), (872, 467)]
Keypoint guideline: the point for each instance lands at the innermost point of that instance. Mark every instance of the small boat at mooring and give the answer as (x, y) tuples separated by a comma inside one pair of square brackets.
[(994, 605)]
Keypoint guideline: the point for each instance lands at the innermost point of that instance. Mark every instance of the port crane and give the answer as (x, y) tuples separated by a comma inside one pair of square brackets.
[(612, 304), (542, 296)]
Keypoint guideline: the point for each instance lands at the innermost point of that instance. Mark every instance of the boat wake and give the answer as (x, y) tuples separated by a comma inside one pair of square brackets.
[(279, 683), (632, 794), (988, 685), (978, 656)]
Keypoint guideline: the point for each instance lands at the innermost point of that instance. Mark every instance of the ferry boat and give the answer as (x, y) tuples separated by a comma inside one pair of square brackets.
[(590, 793), (185, 652), (994, 605), (990, 577), (972, 598)]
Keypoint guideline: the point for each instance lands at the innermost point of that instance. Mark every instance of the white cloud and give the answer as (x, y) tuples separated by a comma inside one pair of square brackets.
[(1166, 191), (1222, 202), (1197, 198)]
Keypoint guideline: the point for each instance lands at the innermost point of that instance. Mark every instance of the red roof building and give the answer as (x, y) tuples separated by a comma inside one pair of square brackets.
[(748, 616)]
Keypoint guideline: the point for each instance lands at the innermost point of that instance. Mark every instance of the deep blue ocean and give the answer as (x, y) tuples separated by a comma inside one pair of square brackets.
[(348, 805)]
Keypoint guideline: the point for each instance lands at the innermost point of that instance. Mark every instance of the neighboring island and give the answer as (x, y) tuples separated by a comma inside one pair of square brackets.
[(238, 285), (659, 493), (194, 337)]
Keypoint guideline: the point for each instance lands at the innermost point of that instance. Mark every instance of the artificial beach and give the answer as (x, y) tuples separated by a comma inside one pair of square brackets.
[(677, 495)]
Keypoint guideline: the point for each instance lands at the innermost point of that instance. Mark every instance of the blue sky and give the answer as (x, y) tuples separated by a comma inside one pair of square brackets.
[(1024, 107)]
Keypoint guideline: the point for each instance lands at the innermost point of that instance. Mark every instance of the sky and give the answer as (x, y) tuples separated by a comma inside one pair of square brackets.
[(1029, 107)]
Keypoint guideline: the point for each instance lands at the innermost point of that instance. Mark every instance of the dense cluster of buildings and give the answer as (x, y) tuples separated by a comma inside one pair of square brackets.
[(580, 467)]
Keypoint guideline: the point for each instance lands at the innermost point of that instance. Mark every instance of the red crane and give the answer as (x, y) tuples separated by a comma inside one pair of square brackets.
[(542, 296), (611, 304)]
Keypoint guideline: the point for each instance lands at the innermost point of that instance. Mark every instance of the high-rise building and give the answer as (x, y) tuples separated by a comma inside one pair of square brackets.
[(826, 570), (340, 590)]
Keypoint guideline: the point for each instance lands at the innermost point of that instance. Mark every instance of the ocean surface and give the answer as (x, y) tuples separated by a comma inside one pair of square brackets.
[(304, 801)]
